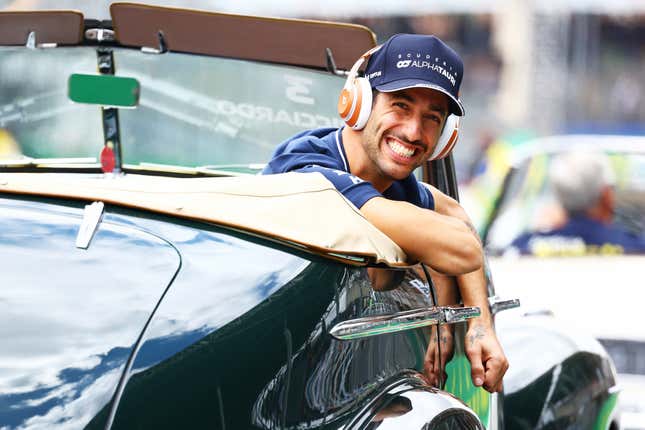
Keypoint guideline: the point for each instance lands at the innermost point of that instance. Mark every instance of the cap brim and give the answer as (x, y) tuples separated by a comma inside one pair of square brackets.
[(455, 107)]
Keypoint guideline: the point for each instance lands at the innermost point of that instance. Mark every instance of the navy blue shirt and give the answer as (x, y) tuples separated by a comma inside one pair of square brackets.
[(579, 236), (321, 150)]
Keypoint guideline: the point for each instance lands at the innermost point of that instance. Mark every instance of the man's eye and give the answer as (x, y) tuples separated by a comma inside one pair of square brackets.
[(401, 105), (434, 118)]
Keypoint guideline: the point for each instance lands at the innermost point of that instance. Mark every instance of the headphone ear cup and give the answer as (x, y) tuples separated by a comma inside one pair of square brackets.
[(355, 103), (346, 101), (448, 138), (363, 103)]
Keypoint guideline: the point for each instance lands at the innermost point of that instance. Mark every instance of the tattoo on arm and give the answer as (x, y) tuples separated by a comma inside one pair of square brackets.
[(478, 332)]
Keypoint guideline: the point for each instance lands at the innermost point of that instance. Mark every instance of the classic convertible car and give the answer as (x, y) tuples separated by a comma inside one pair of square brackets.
[(150, 279)]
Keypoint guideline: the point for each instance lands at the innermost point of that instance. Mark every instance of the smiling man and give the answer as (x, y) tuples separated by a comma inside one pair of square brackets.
[(398, 116)]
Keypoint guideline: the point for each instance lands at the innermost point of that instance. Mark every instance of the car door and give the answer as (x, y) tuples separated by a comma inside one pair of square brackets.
[(70, 316)]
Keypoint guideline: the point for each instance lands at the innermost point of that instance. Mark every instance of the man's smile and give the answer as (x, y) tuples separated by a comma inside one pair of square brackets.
[(402, 149)]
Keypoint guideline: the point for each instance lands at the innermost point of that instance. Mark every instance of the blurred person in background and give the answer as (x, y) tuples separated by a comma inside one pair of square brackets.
[(583, 184)]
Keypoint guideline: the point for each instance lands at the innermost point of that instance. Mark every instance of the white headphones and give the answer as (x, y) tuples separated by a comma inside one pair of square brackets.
[(355, 106)]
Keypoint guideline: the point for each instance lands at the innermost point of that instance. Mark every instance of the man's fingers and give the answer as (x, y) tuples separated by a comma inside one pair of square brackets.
[(484, 351), (495, 370), (429, 363), (495, 388), (476, 367), (437, 363), (431, 376)]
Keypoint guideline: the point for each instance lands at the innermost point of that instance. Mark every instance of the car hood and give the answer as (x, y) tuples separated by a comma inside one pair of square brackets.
[(599, 294)]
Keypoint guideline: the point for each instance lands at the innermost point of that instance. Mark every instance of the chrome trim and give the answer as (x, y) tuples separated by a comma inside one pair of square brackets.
[(92, 216), (400, 321), (456, 315), (100, 34), (498, 304), (428, 406), (30, 43), (162, 48), (494, 412), (331, 65)]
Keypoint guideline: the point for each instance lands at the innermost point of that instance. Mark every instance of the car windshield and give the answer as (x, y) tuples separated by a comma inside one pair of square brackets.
[(193, 110), (530, 204)]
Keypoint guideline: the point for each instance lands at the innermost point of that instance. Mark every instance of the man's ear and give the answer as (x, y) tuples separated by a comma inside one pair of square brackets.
[(607, 202)]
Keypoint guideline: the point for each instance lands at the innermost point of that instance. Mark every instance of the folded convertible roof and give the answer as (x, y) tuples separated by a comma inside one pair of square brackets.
[(301, 210)]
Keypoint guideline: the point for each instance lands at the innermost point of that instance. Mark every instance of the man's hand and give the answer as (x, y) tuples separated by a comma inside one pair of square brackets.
[(487, 360), (434, 365)]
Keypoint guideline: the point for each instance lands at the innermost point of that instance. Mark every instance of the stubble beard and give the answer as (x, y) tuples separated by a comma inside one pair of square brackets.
[(376, 151), (372, 150)]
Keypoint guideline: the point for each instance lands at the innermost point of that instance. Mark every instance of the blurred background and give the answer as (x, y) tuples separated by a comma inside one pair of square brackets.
[(532, 68)]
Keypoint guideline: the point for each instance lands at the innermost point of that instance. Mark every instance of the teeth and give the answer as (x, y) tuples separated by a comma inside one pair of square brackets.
[(400, 149)]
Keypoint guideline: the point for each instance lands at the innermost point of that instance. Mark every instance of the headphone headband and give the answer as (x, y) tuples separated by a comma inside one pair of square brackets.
[(353, 72)]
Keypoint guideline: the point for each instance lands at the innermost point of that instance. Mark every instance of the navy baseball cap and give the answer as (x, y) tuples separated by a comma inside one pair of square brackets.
[(415, 60)]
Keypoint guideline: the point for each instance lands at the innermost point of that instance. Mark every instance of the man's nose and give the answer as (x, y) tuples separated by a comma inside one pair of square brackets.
[(413, 130)]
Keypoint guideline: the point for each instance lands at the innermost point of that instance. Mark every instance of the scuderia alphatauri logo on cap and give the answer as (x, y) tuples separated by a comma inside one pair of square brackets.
[(425, 62)]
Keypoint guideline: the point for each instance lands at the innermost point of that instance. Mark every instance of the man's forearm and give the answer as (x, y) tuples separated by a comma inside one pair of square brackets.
[(442, 242), (474, 292), (472, 286)]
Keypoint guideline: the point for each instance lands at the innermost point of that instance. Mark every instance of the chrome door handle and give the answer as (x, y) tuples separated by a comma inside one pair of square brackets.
[(498, 305), (459, 314), (400, 321)]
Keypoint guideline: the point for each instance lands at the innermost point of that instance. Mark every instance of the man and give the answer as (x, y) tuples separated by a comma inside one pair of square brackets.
[(583, 184), (409, 93)]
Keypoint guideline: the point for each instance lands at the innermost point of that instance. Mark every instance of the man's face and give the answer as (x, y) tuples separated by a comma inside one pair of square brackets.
[(403, 130)]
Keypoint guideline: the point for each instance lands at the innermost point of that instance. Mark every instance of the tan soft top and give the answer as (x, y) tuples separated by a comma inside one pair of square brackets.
[(299, 209)]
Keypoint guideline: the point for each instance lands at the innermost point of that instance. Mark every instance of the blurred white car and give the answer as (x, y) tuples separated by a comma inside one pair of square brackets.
[(600, 294)]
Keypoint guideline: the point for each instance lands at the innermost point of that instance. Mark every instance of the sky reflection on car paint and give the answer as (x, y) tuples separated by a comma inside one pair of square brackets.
[(182, 320), (53, 368), (71, 315)]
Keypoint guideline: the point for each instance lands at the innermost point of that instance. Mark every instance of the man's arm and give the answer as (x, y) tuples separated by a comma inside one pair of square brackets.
[(442, 242), (487, 359), (442, 340)]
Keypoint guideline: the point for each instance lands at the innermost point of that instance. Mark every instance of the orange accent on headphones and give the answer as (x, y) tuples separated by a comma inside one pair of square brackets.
[(451, 143), (353, 119), (448, 138), (355, 100), (344, 103)]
